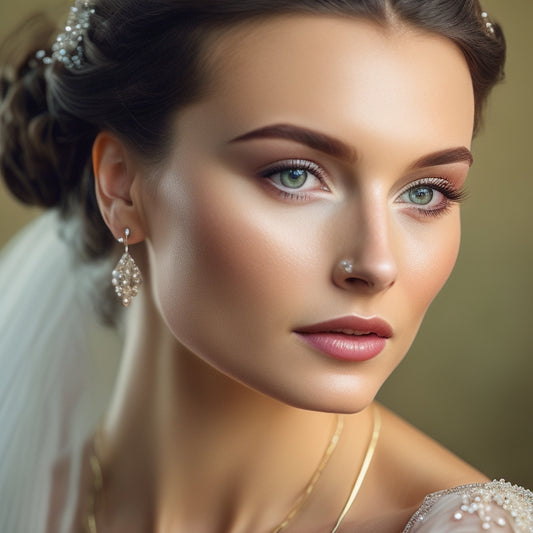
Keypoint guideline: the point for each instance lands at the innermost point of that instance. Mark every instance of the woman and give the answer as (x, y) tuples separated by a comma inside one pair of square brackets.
[(286, 178)]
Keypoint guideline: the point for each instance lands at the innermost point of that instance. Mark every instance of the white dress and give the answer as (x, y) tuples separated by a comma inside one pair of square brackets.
[(55, 384)]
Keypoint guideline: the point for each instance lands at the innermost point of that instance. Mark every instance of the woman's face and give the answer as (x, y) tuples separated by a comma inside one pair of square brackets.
[(320, 140)]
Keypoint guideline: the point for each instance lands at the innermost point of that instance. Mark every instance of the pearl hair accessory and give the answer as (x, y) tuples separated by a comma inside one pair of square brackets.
[(126, 276), (68, 46), (488, 25)]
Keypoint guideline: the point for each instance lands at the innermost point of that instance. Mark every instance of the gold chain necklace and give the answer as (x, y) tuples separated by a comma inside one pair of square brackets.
[(98, 481), (371, 448)]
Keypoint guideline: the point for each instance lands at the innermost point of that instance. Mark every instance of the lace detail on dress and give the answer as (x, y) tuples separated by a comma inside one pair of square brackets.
[(496, 506)]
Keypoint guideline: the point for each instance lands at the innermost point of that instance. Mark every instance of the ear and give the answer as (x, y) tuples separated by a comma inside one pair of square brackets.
[(115, 173)]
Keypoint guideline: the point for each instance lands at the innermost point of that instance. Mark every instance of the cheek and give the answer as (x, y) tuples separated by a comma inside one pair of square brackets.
[(226, 258), (432, 257)]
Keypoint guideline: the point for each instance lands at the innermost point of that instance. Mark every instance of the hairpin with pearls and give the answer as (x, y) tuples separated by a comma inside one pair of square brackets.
[(487, 24), (68, 46)]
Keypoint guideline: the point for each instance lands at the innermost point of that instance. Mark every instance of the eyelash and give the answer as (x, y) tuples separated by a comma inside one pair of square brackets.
[(452, 195)]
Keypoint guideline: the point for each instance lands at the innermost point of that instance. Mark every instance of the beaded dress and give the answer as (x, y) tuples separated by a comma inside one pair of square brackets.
[(497, 506), (55, 385)]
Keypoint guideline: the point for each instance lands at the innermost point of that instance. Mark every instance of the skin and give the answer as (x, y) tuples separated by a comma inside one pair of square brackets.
[(218, 399)]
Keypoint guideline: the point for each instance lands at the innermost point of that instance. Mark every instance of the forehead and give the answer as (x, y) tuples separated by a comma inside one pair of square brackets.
[(341, 74)]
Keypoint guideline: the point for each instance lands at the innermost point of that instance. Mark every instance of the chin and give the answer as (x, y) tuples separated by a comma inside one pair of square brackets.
[(339, 404), (343, 396)]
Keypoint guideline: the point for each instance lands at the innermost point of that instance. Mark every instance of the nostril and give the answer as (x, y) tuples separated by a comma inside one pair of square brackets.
[(353, 282)]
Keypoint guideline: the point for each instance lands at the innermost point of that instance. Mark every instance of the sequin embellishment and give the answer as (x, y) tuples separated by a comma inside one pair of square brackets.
[(485, 502)]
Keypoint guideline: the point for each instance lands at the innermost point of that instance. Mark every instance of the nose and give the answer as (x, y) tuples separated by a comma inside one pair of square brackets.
[(368, 262)]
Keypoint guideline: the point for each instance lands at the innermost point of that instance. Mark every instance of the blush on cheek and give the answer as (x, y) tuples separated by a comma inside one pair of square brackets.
[(209, 266), (247, 257), (434, 262)]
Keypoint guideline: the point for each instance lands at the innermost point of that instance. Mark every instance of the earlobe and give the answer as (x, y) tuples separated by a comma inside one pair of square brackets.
[(115, 172)]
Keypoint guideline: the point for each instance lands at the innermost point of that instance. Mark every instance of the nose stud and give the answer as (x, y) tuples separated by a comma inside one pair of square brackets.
[(346, 266), (350, 274)]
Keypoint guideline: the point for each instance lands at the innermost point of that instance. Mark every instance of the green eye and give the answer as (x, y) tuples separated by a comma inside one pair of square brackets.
[(421, 195), (293, 178)]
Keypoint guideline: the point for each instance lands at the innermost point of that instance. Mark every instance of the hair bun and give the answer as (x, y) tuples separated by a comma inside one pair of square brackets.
[(41, 155), (27, 154)]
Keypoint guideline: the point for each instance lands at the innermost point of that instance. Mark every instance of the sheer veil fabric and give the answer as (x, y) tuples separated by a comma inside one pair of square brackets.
[(55, 380)]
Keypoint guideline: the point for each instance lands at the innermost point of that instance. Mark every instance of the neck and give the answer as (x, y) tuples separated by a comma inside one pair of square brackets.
[(184, 438)]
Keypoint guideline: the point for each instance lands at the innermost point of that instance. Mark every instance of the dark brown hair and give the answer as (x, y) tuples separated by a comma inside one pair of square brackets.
[(143, 61)]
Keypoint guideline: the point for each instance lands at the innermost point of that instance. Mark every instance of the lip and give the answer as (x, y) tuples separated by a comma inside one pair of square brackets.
[(349, 338)]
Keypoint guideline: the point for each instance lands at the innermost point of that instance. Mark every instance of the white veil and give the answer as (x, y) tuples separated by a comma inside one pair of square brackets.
[(55, 376)]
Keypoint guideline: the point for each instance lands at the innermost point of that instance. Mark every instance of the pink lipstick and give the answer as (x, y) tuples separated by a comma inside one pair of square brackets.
[(349, 338)]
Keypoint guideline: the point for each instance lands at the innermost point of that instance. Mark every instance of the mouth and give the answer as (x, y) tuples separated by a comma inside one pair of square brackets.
[(351, 325), (347, 331), (349, 338)]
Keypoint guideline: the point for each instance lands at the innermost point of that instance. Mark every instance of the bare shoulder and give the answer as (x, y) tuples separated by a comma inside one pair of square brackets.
[(415, 464), (407, 466)]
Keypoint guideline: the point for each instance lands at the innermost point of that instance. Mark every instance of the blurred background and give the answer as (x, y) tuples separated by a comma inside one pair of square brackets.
[(468, 379)]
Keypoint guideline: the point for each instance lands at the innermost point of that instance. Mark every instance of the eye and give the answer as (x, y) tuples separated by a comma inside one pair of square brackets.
[(296, 179), (420, 195), (293, 178), (430, 196)]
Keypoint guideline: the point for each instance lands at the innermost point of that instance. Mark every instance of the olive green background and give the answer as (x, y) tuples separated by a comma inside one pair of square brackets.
[(467, 380)]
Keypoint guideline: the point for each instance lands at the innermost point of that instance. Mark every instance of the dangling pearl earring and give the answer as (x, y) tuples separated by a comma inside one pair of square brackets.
[(126, 276)]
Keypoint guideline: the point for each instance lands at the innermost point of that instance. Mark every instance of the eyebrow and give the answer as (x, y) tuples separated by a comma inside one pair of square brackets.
[(313, 139), (340, 150), (461, 154)]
